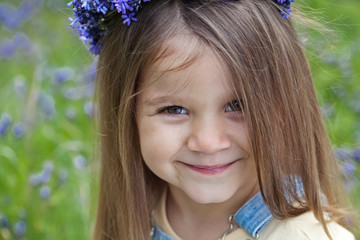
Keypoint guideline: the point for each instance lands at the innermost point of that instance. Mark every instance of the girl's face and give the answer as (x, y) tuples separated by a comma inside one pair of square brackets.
[(192, 131)]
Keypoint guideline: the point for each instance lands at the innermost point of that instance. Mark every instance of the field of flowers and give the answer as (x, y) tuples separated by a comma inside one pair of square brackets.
[(48, 164)]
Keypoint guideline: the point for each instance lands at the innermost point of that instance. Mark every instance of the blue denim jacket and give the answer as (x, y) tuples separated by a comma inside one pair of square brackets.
[(253, 217)]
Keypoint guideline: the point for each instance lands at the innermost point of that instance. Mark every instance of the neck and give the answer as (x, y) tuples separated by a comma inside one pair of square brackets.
[(192, 220)]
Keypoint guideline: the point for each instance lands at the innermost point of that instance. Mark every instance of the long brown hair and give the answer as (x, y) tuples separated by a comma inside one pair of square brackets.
[(262, 52)]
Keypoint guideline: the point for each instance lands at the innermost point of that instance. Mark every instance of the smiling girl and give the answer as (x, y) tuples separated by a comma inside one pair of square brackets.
[(210, 126)]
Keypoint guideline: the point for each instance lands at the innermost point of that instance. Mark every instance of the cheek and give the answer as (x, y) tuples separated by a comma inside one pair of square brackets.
[(239, 132), (158, 142)]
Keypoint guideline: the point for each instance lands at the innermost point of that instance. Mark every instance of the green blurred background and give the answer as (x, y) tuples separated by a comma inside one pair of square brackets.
[(48, 164)]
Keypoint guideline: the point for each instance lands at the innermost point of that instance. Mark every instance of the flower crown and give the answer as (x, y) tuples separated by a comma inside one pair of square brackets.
[(91, 15)]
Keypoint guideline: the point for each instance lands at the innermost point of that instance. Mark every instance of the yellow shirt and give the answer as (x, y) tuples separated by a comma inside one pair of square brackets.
[(303, 227)]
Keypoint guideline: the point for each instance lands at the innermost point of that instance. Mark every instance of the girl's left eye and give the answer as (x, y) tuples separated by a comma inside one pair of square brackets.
[(234, 106), (173, 110)]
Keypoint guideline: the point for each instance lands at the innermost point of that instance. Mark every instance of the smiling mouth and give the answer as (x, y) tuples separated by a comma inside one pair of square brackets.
[(209, 170)]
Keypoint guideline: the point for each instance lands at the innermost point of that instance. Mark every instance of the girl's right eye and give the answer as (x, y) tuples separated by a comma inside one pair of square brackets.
[(173, 110)]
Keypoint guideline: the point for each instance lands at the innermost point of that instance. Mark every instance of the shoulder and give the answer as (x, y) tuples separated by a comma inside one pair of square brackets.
[(304, 227)]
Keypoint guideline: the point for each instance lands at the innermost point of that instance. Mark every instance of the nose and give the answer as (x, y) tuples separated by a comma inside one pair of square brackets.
[(208, 136)]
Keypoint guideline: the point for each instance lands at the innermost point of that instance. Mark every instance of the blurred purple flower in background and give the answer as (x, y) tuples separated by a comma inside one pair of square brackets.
[(9, 16), (13, 17), (20, 228), (357, 154), (80, 162), (342, 154), (5, 121), (45, 192), (19, 129), (20, 85), (88, 108), (61, 75), (72, 93), (349, 167), (9, 47), (44, 176), (4, 223), (71, 113), (47, 103)]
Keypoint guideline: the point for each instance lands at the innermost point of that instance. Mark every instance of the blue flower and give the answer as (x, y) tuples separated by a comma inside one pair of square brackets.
[(7, 49), (63, 74), (48, 104), (5, 121), (80, 162), (4, 223), (342, 154), (45, 192), (285, 7), (9, 16), (349, 167), (128, 18), (88, 108), (356, 154), (20, 85), (20, 228), (70, 113), (44, 176), (90, 16), (18, 129)]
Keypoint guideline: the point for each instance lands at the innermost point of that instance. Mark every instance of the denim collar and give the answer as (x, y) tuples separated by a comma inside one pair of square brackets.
[(253, 217)]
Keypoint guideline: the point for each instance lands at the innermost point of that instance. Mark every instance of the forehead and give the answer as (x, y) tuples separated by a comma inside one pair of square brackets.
[(180, 60)]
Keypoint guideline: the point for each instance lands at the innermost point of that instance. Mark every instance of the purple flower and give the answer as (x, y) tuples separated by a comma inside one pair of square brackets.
[(19, 129), (7, 49), (90, 17), (285, 7), (357, 154), (48, 166), (20, 85), (128, 18), (35, 179), (89, 108), (4, 223), (12, 17), (342, 154), (27, 8), (80, 162), (63, 74), (22, 41), (45, 192), (48, 104), (71, 93), (70, 113), (5, 121), (349, 167), (20, 228), (9, 16), (44, 176)]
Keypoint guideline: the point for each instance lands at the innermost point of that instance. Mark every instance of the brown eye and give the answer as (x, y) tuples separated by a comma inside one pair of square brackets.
[(234, 106), (174, 110)]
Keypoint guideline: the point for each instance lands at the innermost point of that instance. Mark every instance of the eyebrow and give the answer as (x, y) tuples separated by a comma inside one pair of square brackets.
[(161, 99)]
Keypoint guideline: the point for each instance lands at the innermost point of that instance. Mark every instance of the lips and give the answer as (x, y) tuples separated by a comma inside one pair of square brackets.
[(211, 169)]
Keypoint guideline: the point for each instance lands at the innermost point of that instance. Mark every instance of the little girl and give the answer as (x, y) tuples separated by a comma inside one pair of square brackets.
[(210, 126)]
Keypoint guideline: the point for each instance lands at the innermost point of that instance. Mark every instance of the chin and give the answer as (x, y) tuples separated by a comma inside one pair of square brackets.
[(210, 197)]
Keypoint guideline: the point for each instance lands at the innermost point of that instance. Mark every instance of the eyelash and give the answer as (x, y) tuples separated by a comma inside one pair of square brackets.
[(166, 109), (232, 105), (235, 104)]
